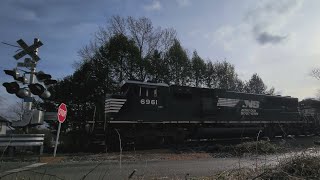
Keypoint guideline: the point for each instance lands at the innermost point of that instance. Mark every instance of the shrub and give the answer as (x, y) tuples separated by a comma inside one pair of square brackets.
[(303, 166), (74, 141), (257, 147)]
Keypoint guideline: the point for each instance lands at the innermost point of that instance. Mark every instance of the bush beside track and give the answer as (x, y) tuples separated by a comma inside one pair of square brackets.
[(296, 168)]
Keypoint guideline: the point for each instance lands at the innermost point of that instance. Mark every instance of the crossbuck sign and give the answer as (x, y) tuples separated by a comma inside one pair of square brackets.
[(30, 50)]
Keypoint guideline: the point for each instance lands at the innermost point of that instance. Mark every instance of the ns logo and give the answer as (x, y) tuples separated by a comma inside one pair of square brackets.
[(251, 104)]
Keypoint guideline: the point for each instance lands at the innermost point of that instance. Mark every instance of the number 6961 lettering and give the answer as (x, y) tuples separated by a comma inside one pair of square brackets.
[(149, 101)]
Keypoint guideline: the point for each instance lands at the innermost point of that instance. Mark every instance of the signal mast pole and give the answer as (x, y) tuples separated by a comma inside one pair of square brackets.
[(32, 74)]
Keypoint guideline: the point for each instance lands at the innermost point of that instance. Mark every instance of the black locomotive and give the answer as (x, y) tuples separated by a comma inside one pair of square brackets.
[(153, 112)]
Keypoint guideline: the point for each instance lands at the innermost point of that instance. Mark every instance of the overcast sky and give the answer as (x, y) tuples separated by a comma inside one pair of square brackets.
[(278, 39)]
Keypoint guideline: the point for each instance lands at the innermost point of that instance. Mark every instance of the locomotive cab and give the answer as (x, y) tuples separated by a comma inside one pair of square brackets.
[(137, 102)]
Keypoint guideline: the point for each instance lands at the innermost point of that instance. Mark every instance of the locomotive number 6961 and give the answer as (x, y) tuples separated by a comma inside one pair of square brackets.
[(149, 101)]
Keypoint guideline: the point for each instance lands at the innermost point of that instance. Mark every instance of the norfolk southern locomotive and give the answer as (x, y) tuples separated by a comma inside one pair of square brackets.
[(153, 112)]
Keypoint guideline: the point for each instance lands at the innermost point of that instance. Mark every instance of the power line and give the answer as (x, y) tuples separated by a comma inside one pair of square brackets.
[(19, 49), (10, 45)]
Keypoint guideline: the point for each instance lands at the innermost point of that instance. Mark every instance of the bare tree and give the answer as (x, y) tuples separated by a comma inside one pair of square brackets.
[(116, 25), (15, 111), (1, 105), (86, 53), (1, 100), (316, 73), (318, 95), (141, 30)]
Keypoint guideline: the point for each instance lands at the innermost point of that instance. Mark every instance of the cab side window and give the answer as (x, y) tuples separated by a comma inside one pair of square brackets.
[(143, 92), (148, 92), (155, 93)]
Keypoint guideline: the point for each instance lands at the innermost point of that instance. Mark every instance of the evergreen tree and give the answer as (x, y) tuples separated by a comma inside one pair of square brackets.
[(179, 64), (210, 75), (255, 85), (198, 69)]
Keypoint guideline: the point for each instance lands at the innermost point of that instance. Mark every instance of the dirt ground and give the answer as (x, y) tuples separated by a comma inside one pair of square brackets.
[(162, 163), (290, 144)]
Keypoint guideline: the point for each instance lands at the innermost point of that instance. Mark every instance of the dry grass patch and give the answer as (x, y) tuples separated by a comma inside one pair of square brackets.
[(298, 167), (256, 147), (46, 159), (295, 168)]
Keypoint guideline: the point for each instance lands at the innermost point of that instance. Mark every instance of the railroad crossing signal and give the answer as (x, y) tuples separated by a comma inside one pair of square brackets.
[(26, 92), (45, 78), (39, 90), (41, 76), (30, 50), (14, 73), (12, 87), (34, 88)]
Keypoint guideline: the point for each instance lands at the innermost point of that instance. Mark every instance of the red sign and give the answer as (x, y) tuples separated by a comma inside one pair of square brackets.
[(62, 112)]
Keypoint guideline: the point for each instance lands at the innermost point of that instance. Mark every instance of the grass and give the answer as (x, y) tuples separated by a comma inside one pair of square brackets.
[(298, 167), (256, 147), (252, 147), (294, 168)]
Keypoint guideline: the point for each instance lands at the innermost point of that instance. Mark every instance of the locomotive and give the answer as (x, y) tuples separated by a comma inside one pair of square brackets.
[(157, 112)]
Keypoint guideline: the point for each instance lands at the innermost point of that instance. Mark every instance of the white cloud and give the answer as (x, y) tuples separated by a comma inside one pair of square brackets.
[(283, 56), (224, 35), (264, 24), (183, 3), (269, 19), (230, 37), (30, 16), (155, 6)]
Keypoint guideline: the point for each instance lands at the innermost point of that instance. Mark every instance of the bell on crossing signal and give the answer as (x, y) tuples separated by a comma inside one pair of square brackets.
[(41, 76), (12, 87), (36, 89), (14, 73)]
